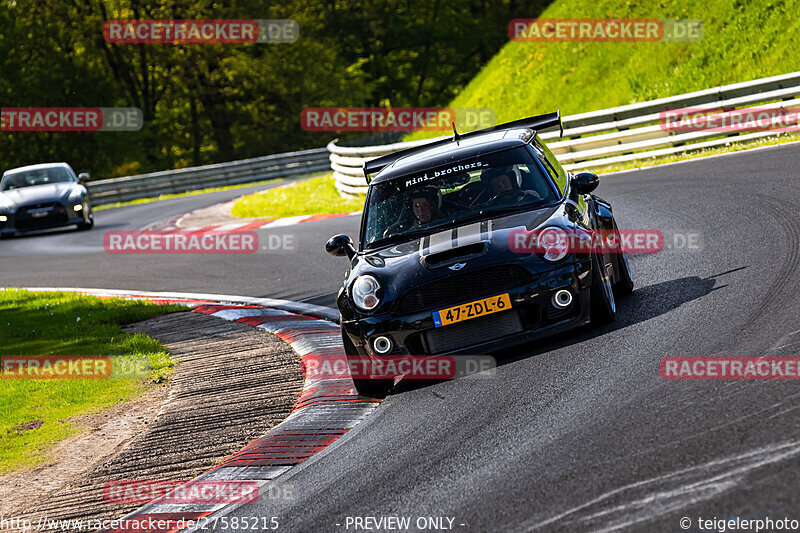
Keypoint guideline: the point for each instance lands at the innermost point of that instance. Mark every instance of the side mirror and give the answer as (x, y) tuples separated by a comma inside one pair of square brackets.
[(583, 183), (340, 245), (83, 177)]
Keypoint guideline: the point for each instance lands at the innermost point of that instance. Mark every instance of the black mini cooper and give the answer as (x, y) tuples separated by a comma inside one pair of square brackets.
[(438, 269)]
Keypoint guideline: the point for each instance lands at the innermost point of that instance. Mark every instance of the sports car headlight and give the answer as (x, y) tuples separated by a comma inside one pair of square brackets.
[(76, 197), (365, 292), (554, 243)]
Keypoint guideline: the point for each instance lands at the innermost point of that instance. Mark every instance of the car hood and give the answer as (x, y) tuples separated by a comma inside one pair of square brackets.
[(475, 244), (54, 192)]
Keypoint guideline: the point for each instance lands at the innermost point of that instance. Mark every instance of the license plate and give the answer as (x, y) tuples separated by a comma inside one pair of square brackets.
[(462, 312), (39, 214)]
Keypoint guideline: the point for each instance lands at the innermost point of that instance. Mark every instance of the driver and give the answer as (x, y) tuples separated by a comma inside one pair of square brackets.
[(501, 180), (425, 205)]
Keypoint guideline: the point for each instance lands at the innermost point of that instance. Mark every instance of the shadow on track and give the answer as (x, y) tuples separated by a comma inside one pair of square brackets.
[(641, 305)]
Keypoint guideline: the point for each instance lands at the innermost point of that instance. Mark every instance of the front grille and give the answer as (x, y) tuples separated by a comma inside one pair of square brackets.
[(460, 288), (30, 207), (25, 222), (472, 332)]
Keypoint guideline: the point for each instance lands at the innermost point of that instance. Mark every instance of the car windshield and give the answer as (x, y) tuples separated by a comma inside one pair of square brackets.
[(433, 199), (31, 178)]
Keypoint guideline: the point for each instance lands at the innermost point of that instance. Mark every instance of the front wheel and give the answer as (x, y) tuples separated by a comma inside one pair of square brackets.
[(603, 305), (624, 284), (374, 388)]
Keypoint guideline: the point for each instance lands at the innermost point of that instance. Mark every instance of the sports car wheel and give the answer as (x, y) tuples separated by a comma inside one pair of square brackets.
[(624, 284), (374, 388), (603, 305)]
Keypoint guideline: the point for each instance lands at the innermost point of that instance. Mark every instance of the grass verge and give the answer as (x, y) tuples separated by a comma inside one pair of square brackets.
[(185, 194), (36, 413), (315, 196), (741, 41)]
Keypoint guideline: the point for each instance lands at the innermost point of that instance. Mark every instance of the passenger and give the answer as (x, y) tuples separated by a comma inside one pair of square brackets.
[(502, 180)]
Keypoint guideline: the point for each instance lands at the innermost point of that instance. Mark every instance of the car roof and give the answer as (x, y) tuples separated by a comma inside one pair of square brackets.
[(443, 154), (37, 167)]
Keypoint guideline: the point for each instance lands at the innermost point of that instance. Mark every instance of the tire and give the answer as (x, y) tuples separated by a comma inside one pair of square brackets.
[(603, 305), (90, 224), (374, 388), (624, 284)]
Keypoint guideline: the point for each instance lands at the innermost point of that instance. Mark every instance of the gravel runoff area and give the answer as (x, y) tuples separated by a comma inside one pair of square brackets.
[(232, 383)]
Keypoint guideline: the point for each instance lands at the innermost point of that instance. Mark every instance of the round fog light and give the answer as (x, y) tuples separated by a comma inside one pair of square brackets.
[(382, 345), (562, 298), (78, 207)]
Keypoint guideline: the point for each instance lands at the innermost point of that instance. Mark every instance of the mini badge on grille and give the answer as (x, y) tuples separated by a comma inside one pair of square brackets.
[(457, 266)]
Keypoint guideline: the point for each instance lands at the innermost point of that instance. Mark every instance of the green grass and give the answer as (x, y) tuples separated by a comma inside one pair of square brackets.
[(185, 194), (315, 196), (38, 323), (743, 40)]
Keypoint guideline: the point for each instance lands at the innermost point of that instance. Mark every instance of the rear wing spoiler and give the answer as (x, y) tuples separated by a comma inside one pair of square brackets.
[(538, 122)]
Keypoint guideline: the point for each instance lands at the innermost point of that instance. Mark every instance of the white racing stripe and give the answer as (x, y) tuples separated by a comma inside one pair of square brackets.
[(288, 221), (231, 227)]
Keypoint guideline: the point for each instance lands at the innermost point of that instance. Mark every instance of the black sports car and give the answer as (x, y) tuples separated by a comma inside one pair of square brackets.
[(436, 270), (43, 196)]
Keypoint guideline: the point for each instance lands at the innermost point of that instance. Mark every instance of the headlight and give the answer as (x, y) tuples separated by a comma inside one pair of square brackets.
[(365, 292), (554, 243), (76, 197)]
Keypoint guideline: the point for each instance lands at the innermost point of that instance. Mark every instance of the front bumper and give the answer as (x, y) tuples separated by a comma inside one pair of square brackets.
[(416, 334), (59, 215)]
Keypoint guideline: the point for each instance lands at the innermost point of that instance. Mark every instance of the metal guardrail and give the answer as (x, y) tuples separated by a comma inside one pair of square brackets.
[(219, 175), (611, 136)]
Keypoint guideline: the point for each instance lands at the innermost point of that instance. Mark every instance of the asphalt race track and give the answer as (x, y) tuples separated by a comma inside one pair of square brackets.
[(70, 258), (578, 434)]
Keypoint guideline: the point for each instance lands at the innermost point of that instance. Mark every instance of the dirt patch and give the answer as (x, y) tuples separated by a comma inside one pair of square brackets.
[(211, 216), (28, 426), (104, 435)]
